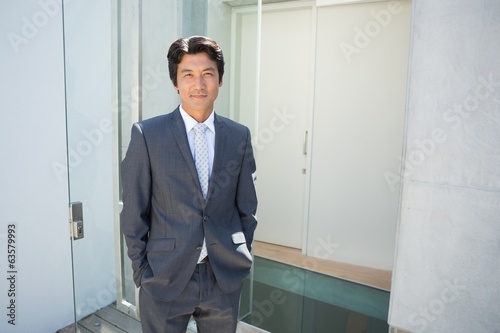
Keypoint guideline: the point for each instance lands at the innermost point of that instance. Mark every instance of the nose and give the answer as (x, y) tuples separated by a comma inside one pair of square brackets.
[(199, 82)]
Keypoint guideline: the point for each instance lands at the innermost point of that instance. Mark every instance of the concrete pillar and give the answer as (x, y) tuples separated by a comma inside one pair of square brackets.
[(447, 268)]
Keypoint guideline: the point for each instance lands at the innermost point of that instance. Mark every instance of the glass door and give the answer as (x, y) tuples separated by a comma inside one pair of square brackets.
[(116, 73), (92, 153)]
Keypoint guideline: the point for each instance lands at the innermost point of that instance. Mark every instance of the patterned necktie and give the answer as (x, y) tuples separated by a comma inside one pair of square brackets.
[(201, 162), (201, 156)]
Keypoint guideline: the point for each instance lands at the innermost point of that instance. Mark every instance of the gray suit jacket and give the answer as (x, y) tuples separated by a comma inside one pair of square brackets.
[(164, 216)]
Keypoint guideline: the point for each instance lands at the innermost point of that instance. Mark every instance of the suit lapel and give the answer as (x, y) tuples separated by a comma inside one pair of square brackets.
[(179, 131)]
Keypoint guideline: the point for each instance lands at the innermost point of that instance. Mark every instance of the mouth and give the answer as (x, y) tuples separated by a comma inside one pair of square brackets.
[(198, 95)]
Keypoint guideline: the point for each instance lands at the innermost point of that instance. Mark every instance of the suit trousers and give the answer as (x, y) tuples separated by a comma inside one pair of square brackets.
[(212, 309)]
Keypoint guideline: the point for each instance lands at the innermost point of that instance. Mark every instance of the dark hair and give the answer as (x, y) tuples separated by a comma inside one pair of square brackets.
[(193, 45)]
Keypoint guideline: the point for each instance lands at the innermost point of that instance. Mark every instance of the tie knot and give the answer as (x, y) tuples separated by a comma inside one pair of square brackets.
[(200, 128)]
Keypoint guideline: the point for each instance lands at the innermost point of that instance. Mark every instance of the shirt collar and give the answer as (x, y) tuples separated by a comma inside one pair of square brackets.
[(189, 121)]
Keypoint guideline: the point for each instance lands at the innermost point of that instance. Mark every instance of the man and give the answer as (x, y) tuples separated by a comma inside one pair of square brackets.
[(189, 230)]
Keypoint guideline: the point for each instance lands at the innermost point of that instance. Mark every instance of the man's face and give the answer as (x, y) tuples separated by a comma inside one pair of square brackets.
[(198, 83)]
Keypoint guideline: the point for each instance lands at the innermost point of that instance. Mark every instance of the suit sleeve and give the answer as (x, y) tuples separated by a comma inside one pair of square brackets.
[(135, 217), (246, 196)]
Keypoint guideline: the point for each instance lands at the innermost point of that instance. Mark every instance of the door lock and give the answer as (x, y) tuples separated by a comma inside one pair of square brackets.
[(76, 220)]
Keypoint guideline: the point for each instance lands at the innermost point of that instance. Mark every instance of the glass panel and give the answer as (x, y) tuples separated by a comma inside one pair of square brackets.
[(294, 300), (91, 155)]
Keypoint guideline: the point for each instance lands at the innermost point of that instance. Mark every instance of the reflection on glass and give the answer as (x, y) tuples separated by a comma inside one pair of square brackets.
[(294, 300)]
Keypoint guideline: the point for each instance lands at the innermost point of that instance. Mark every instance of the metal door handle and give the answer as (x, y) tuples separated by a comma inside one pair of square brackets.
[(76, 220)]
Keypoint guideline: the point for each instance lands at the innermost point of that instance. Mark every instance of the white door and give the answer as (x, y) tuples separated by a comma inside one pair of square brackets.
[(284, 104), (92, 168), (359, 105)]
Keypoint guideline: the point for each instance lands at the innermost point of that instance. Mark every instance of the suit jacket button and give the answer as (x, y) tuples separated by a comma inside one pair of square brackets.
[(205, 218)]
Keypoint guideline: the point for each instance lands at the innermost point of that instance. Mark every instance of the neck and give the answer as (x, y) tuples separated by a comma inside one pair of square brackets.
[(198, 115)]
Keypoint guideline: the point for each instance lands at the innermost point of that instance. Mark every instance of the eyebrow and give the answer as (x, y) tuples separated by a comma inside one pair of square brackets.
[(208, 69)]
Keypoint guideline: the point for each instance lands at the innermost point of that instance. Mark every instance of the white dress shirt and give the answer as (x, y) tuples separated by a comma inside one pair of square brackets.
[(190, 122)]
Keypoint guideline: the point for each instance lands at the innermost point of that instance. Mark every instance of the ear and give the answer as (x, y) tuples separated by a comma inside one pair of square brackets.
[(220, 83)]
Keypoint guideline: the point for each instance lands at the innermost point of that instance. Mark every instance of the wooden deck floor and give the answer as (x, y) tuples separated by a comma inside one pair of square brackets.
[(367, 276), (111, 320)]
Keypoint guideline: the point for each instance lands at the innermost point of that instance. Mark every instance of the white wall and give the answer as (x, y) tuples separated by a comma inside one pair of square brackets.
[(33, 137), (447, 267)]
